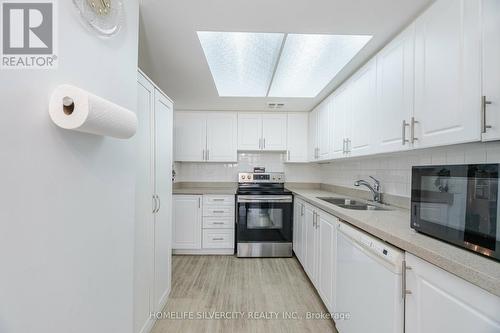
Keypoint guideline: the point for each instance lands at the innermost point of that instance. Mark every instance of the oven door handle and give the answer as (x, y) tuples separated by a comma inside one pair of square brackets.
[(258, 199)]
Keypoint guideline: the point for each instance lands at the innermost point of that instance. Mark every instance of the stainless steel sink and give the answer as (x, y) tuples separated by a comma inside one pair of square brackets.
[(353, 204)]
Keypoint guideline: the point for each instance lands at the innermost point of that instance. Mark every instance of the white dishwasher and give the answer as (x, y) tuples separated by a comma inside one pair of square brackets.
[(369, 284)]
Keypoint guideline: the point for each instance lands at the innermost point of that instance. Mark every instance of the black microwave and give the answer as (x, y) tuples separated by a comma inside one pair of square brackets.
[(458, 204)]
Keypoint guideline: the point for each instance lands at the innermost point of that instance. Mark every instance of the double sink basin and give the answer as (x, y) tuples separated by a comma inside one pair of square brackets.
[(353, 204)]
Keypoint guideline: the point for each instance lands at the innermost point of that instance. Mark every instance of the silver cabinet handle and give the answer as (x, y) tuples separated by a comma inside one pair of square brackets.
[(484, 103), (218, 223), (203, 153), (404, 292), (260, 143), (413, 122), (208, 154), (154, 203), (403, 134), (288, 155), (301, 210), (217, 239), (199, 202), (157, 207), (264, 143), (218, 211), (217, 199), (159, 203)]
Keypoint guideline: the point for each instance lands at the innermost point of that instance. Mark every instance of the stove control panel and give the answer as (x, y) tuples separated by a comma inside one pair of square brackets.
[(273, 177)]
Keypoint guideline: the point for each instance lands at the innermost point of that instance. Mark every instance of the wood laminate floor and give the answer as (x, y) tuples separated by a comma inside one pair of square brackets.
[(241, 288)]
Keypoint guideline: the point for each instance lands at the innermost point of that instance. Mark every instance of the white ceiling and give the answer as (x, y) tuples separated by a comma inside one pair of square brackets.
[(171, 54)]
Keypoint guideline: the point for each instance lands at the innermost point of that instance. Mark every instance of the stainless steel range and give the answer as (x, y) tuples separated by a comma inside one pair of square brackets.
[(264, 223)]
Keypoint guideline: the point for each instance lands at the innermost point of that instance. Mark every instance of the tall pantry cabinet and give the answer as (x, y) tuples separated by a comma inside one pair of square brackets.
[(153, 211)]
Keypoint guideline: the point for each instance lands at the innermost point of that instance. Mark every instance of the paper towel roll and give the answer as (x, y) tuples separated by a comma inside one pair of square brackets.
[(76, 109)]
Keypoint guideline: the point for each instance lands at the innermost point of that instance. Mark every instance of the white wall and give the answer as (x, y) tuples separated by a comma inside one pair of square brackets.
[(228, 172), (67, 199), (394, 170)]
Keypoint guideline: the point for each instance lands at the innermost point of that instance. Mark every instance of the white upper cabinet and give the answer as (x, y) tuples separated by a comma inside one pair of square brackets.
[(363, 108), (262, 131), (442, 302), (313, 135), (274, 131), (320, 131), (205, 137), (341, 114), (249, 131), (447, 74), (297, 133), (190, 136), (324, 130), (395, 89), (222, 137), (491, 70)]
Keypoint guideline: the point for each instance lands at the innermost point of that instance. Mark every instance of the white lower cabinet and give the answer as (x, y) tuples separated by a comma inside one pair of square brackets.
[(298, 223), (436, 300), (203, 224), (187, 222), (218, 238), (311, 241), (442, 302), (316, 237), (327, 239)]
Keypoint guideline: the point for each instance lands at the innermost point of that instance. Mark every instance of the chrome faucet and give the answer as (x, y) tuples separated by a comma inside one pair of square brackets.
[(377, 195)]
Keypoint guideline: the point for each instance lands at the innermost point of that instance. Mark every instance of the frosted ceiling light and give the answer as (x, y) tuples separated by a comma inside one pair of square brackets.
[(242, 63), (309, 62)]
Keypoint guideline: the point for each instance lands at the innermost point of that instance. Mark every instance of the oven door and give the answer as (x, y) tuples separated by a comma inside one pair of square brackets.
[(264, 218), (458, 204)]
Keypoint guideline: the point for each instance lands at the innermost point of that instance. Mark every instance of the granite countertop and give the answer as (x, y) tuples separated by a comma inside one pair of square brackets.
[(394, 227)]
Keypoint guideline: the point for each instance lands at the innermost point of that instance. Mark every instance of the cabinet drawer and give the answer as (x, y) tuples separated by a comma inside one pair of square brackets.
[(218, 223), (218, 200), (218, 238), (218, 211)]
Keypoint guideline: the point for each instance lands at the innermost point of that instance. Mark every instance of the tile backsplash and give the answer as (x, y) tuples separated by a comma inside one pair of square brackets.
[(393, 170), (228, 172)]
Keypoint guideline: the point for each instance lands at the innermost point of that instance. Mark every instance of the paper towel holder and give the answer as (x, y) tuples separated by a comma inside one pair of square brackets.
[(68, 105)]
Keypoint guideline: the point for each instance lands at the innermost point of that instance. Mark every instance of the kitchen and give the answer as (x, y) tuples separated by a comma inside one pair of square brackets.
[(283, 166), (360, 143)]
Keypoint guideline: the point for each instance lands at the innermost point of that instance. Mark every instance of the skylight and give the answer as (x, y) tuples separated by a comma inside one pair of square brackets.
[(309, 62), (242, 63), (276, 65)]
